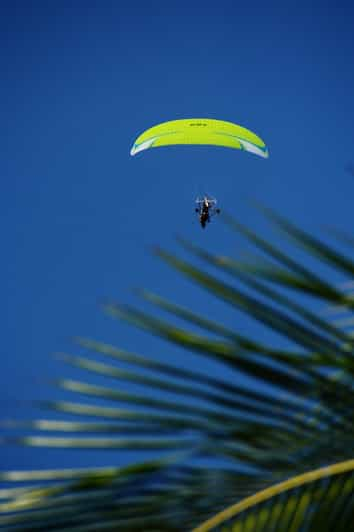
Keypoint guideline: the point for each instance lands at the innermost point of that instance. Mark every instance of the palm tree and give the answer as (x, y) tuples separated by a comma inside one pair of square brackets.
[(275, 455)]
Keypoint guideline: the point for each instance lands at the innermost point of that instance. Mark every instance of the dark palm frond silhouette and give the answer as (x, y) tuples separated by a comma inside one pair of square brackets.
[(218, 443)]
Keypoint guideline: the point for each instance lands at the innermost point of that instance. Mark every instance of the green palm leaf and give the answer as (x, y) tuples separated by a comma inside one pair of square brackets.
[(311, 501), (250, 447)]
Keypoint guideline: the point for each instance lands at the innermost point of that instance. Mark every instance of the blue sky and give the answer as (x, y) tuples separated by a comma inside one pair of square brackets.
[(79, 216)]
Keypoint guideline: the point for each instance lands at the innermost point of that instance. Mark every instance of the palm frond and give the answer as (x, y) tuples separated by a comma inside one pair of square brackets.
[(257, 447), (311, 501)]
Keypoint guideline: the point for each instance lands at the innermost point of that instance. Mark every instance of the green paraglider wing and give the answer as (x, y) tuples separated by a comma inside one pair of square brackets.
[(200, 131)]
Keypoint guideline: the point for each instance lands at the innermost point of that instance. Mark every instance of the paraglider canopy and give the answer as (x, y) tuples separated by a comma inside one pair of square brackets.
[(200, 131)]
